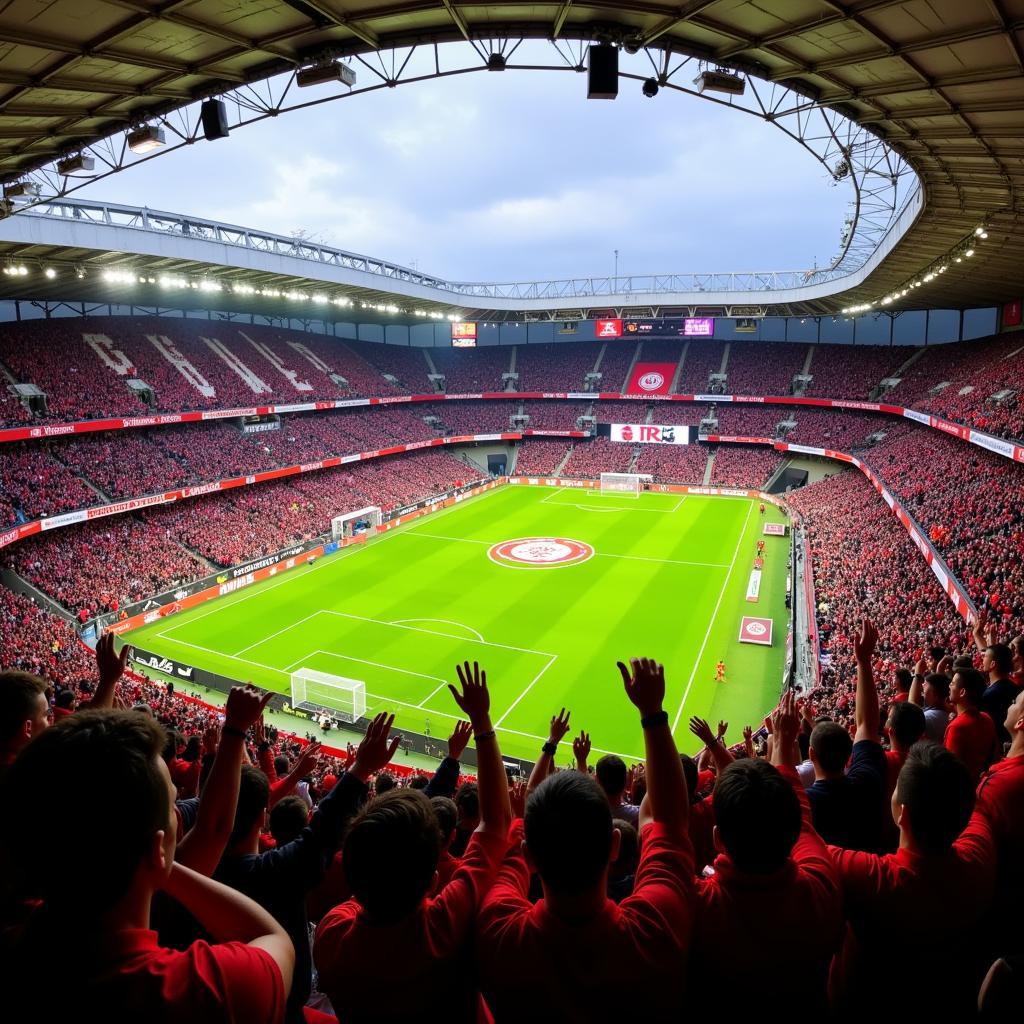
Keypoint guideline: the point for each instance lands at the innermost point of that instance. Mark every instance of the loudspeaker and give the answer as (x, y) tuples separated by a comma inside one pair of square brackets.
[(215, 119), (602, 72)]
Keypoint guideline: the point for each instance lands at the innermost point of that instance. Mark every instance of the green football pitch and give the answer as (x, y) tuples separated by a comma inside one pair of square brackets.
[(667, 579)]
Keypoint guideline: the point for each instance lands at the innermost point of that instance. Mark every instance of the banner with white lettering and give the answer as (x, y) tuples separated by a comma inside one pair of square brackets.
[(650, 433)]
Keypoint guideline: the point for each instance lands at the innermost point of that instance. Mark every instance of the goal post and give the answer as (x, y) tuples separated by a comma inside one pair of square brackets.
[(621, 483), (338, 696), (365, 520)]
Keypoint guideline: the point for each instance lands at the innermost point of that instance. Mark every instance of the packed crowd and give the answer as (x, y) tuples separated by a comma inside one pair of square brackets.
[(848, 526), (968, 501), (555, 367), (540, 456), (703, 358), (592, 458), (552, 415), (674, 464), (248, 364), (743, 466), (471, 417), (241, 876), (764, 369)]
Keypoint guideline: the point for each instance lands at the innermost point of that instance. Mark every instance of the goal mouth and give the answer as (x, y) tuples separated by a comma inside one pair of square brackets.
[(621, 485), (322, 693)]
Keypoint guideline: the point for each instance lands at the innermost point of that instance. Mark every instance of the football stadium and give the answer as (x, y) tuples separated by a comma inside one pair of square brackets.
[(498, 632)]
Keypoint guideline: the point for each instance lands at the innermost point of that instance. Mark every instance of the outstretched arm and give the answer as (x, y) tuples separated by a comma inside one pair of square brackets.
[(204, 846), (866, 709), (475, 703), (712, 743), (110, 666), (545, 764), (666, 802)]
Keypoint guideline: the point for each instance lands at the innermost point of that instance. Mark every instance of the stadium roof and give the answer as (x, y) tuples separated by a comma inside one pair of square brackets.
[(940, 80)]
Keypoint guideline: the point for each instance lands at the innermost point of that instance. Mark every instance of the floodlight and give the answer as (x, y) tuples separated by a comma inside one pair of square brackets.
[(650, 88), (496, 62), (78, 164), (321, 74), (721, 80), (22, 190), (146, 139)]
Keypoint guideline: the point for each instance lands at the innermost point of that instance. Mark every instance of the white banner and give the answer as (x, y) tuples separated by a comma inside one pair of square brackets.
[(650, 433)]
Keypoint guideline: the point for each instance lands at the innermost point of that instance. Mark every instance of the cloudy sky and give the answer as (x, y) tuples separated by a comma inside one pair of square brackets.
[(513, 176)]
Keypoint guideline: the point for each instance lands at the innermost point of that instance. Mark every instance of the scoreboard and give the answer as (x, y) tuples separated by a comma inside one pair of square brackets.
[(463, 334)]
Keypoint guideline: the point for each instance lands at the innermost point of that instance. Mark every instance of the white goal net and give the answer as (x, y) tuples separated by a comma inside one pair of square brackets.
[(621, 483), (365, 520), (319, 692)]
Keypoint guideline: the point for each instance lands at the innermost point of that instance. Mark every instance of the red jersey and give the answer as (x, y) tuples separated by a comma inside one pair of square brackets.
[(366, 968), (128, 977), (626, 962), (1001, 797), (972, 737), (939, 899), (803, 898), (702, 833)]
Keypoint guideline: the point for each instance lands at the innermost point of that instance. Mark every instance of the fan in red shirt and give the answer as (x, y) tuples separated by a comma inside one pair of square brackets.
[(95, 919), (971, 735), (395, 933), (24, 712), (904, 727), (773, 868), (575, 955), (1001, 798), (911, 907)]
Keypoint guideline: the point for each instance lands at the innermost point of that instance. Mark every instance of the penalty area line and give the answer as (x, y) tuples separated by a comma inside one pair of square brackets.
[(714, 615)]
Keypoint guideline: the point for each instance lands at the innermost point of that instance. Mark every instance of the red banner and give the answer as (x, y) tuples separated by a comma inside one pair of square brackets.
[(1011, 314), (651, 379), (608, 328)]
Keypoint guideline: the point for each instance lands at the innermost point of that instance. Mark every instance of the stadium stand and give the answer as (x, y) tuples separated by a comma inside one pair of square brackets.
[(673, 464), (556, 367), (551, 415), (852, 371), (703, 358), (540, 457), (615, 361), (739, 466), (591, 458), (764, 369), (467, 371)]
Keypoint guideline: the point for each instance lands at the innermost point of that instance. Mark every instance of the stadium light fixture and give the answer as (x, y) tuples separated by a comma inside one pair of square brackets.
[(720, 80), (496, 62), (146, 139), (79, 164), (969, 252), (322, 74), (22, 190), (50, 273), (650, 88)]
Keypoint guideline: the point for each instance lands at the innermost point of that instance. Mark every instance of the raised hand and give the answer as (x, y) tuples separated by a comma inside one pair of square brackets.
[(559, 726), (748, 734), (785, 726), (475, 700), (109, 663), (458, 739), (244, 707), (350, 755), (864, 644), (581, 750), (723, 728), (921, 668), (259, 732), (211, 738), (644, 681), (375, 749), (517, 798), (702, 731), (306, 763), (945, 665)]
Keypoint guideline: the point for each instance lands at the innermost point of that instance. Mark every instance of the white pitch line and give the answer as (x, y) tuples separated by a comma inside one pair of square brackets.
[(435, 632), (669, 561), (711, 621), (278, 633), (433, 692), (598, 554), (378, 664), (448, 622), (512, 706)]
